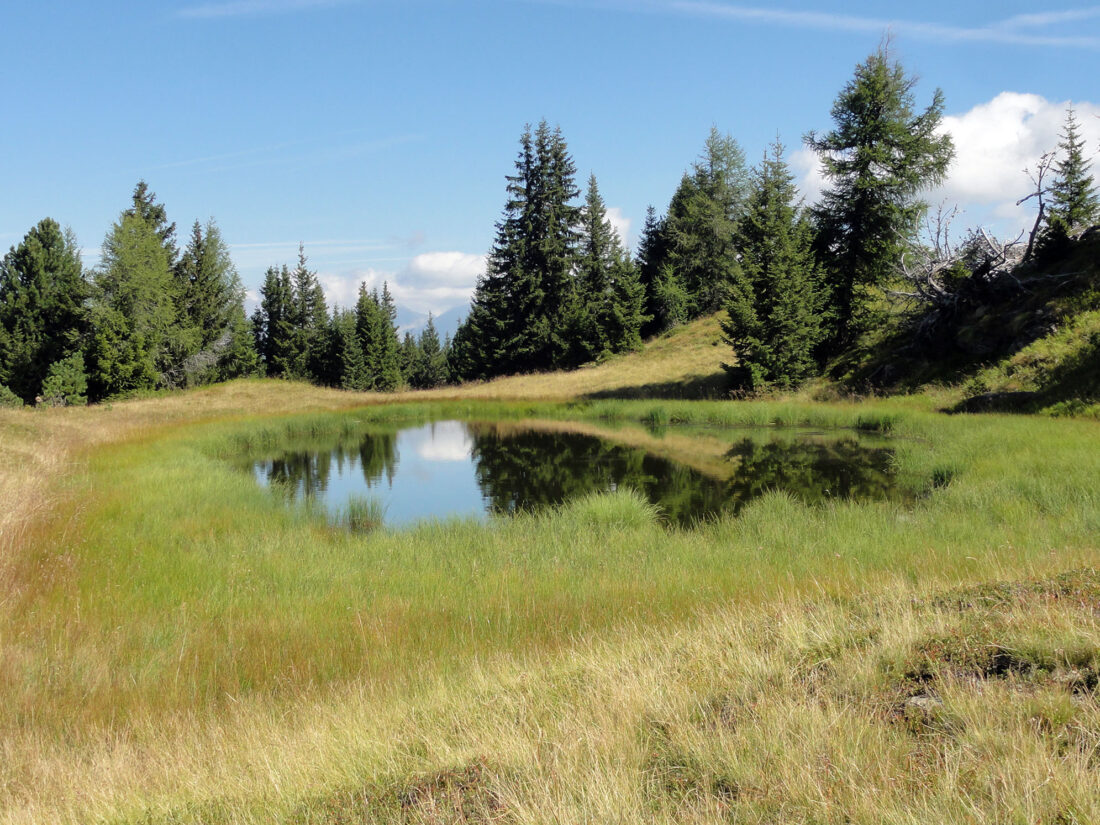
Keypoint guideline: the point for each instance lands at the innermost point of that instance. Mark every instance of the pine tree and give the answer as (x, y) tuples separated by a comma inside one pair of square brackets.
[(43, 317), (701, 258), (66, 384), (409, 358), (774, 313), (1073, 201), (878, 157)]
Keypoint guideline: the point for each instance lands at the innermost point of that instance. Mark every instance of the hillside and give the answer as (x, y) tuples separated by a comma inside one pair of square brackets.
[(683, 363), (1027, 340)]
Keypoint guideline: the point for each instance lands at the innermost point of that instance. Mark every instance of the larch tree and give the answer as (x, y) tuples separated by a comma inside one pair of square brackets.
[(880, 154), (133, 313)]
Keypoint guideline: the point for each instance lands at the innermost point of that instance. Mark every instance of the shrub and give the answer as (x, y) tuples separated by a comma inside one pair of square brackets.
[(9, 398), (66, 383)]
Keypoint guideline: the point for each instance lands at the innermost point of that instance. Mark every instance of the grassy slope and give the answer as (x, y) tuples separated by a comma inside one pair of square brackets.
[(685, 363), (1033, 346), (171, 653)]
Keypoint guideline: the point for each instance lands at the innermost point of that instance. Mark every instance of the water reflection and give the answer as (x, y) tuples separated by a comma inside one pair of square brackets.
[(814, 471), (469, 469)]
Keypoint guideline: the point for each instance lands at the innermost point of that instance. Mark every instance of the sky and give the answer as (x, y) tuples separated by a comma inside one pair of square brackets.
[(378, 133)]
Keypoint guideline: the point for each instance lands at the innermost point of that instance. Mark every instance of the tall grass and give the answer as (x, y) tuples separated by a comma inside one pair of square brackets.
[(175, 641)]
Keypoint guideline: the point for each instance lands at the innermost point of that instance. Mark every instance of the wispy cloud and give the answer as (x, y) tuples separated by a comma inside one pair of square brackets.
[(1020, 30), (1010, 31), (1050, 18), (295, 152), (254, 8)]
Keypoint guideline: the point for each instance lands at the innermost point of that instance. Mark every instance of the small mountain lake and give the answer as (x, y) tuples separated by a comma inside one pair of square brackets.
[(470, 469)]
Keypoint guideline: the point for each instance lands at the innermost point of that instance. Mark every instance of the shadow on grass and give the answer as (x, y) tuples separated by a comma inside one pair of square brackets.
[(714, 385), (1069, 387)]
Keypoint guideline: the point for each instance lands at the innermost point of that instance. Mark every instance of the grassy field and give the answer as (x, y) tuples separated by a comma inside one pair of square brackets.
[(178, 647)]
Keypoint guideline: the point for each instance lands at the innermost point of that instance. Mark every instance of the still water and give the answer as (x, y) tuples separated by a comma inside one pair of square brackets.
[(475, 469)]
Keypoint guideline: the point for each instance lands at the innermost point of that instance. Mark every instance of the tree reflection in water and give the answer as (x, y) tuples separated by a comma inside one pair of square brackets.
[(512, 469)]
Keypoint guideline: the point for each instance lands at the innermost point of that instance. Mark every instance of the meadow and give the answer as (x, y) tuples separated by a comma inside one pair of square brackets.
[(178, 646)]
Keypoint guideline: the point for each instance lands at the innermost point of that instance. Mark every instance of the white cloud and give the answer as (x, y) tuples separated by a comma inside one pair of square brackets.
[(620, 223), (432, 282), (444, 441), (994, 143), (343, 289), (444, 269)]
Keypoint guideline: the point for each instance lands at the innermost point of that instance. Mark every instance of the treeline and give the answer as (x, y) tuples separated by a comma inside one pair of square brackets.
[(151, 316), (354, 349), (799, 284)]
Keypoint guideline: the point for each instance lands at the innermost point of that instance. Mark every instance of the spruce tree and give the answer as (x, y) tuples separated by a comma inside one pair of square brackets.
[(145, 206), (43, 317), (878, 157), (389, 359), (409, 357), (623, 324), (273, 324), (609, 294), (375, 316), (310, 320), (431, 361), (521, 305), (652, 252), (700, 260), (368, 329), (774, 313), (345, 359), (1073, 201), (210, 309)]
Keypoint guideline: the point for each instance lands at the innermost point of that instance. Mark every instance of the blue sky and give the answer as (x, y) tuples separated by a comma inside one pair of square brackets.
[(379, 133)]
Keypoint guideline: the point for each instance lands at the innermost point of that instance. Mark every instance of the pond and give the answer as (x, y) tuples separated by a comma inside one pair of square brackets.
[(470, 469)]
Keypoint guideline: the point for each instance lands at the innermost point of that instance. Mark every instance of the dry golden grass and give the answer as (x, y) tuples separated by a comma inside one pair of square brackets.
[(684, 363), (888, 710)]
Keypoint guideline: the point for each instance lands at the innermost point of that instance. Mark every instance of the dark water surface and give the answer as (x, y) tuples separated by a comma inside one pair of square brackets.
[(470, 469)]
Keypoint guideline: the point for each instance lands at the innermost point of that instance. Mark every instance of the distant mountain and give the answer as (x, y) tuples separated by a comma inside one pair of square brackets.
[(409, 320)]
